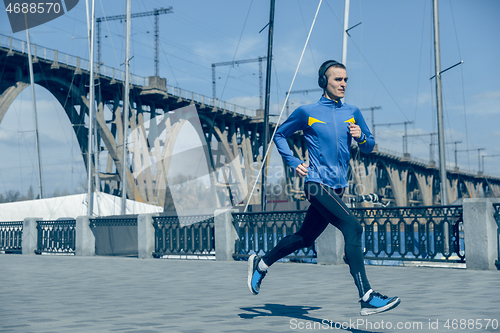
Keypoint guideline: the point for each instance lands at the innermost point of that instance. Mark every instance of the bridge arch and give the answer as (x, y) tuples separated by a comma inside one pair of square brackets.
[(73, 99)]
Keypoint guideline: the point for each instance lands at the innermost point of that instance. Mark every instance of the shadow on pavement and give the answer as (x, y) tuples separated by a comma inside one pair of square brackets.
[(291, 311)]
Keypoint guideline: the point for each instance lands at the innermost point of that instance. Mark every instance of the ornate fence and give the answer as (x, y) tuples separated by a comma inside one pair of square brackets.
[(408, 233), (184, 237), (11, 235), (107, 222), (260, 232), (413, 233), (496, 214), (56, 237)]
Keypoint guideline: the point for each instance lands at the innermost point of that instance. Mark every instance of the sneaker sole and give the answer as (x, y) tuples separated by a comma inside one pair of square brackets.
[(370, 311), (250, 272)]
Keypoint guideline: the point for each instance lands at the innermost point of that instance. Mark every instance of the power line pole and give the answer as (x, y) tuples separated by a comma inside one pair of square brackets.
[(345, 31), (478, 156), (456, 160), (121, 18), (405, 146), (33, 99), (126, 105), (439, 98), (90, 197), (372, 108), (266, 103), (237, 62), (431, 152)]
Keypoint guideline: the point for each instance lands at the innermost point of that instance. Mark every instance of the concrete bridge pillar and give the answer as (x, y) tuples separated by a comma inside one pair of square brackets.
[(451, 186), (398, 179), (425, 185), (471, 189)]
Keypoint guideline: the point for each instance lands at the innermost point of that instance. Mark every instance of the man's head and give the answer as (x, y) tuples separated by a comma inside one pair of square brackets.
[(332, 77)]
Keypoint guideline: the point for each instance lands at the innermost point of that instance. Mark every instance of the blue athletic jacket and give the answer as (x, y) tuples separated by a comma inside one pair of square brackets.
[(325, 125)]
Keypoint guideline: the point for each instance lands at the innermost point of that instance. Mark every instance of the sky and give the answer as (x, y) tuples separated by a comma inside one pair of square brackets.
[(390, 60)]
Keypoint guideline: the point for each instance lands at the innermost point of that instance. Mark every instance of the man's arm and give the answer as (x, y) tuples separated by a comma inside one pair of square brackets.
[(295, 122), (361, 133)]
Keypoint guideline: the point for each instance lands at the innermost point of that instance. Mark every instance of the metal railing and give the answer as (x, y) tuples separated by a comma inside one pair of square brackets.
[(260, 232), (401, 234), (413, 233), (496, 215), (60, 58), (189, 237), (56, 237), (11, 236), (107, 222)]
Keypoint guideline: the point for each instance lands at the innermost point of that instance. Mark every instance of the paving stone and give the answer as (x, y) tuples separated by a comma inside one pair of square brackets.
[(117, 294)]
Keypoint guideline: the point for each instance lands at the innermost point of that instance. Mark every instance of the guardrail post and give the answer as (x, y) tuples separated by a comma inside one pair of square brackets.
[(145, 236), (225, 234), (85, 239), (480, 233), (10, 53), (330, 246), (55, 63), (30, 235)]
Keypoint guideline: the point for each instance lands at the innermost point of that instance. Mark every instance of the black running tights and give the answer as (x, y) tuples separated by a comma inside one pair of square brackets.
[(326, 207)]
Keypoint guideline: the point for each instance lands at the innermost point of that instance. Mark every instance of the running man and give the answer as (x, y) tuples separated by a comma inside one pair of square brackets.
[(328, 127)]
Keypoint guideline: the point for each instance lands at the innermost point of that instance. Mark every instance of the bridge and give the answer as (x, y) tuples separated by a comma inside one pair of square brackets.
[(231, 137)]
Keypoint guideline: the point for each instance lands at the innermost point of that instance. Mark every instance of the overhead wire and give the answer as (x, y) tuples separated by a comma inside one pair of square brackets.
[(388, 50), (110, 35), (463, 88), (419, 68), (305, 28), (236, 50), (282, 109)]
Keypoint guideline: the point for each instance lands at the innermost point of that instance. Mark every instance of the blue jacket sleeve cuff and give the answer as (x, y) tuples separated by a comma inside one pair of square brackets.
[(362, 139)]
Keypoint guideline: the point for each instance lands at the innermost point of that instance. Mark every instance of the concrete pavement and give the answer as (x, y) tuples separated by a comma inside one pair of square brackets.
[(116, 294)]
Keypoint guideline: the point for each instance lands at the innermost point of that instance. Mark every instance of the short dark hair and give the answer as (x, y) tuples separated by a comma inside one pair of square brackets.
[(322, 79), (327, 64)]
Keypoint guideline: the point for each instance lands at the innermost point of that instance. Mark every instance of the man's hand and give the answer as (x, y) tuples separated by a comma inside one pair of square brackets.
[(355, 131), (301, 170)]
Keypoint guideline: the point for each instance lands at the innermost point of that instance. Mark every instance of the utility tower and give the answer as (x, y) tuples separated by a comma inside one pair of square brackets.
[(448, 143), (372, 108), (122, 18), (405, 144), (478, 157), (431, 151), (237, 62)]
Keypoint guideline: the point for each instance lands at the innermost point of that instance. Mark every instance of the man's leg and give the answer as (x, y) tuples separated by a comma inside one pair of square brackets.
[(336, 212), (313, 225), (331, 206)]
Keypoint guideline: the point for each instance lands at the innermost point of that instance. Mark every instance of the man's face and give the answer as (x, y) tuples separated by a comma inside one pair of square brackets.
[(337, 82)]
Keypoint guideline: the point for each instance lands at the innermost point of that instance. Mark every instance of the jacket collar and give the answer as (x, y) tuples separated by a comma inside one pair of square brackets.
[(331, 103)]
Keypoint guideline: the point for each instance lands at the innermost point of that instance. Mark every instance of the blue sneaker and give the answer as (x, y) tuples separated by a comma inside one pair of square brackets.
[(255, 276), (377, 303)]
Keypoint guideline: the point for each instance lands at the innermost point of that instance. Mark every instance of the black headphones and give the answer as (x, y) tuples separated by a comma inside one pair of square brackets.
[(322, 79)]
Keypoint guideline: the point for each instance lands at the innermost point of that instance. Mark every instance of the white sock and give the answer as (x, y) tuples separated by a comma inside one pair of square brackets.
[(367, 295), (262, 266)]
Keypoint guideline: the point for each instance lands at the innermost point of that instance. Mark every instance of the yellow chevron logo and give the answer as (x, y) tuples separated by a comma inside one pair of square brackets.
[(352, 121), (314, 120)]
